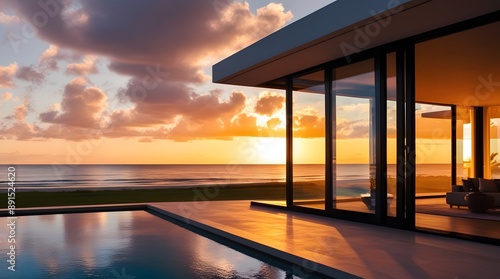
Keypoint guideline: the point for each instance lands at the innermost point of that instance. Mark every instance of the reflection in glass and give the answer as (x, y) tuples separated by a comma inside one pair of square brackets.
[(493, 167), (354, 121), (465, 158), (391, 133), (309, 140), (433, 146)]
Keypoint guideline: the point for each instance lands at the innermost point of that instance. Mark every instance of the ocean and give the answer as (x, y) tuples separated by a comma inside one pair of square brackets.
[(67, 177)]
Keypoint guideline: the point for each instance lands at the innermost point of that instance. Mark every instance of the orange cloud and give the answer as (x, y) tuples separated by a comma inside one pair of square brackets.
[(6, 75), (269, 103), (81, 106), (88, 66), (309, 126), (163, 58), (5, 97), (49, 58), (20, 112)]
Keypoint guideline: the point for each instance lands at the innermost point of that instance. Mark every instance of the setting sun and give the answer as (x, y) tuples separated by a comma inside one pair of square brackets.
[(273, 150)]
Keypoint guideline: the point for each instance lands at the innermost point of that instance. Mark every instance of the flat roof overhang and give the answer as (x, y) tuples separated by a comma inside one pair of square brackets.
[(338, 30)]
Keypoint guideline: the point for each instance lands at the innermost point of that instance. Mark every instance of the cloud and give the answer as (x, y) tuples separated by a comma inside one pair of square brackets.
[(273, 123), (82, 106), (8, 19), (30, 74), (177, 35), (6, 75), (19, 131), (309, 126), (5, 97), (349, 129), (180, 109), (21, 111), (269, 103), (88, 66), (49, 58), (164, 50)]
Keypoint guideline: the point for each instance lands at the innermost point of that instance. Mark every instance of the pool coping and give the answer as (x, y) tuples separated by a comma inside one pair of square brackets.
[(216, 228), (359, 251), (73, 209)]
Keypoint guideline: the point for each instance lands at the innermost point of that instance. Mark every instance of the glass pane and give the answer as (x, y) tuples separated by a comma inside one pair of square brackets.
[(433, 146), (391, 133), (309, 140), (461, 70), (354, 137), (494, 142), (465, 158)]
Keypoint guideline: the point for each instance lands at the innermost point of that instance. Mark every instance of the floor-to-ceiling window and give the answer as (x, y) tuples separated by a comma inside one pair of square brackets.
[(457, 90), (353, 109), (392, 140), (433, 149), (455, 84), (492, 168), (464, 147), (308, 126)]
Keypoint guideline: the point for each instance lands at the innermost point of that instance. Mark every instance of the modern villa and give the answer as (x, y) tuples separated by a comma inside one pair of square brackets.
[(392, 163), (410, 87)]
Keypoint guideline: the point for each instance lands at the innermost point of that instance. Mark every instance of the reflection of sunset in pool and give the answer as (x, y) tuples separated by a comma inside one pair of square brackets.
[(136, 243)]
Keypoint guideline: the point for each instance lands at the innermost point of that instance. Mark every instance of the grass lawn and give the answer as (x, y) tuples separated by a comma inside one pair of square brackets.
[(234, 192), (262, 191)]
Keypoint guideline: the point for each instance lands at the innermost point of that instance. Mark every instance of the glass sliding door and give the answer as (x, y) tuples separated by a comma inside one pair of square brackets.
[(353, 132), (308, 130), (492, 167), (433, 149), (392, 139), (464, 147)]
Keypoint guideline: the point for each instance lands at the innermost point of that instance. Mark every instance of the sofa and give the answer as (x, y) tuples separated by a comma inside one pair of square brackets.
[(490, 187)]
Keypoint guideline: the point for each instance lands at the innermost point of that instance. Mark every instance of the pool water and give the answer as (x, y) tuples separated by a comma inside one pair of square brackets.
[(127, 245)]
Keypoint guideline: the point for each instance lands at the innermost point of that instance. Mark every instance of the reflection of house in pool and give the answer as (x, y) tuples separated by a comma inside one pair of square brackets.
[(407, 89)]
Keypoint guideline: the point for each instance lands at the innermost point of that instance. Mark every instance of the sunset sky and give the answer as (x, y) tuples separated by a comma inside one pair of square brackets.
[(125, 81), (130, 82)]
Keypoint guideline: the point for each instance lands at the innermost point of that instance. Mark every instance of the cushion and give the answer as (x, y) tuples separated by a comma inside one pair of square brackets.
[(475, 182), (487, 185), (497, 182), (457, 188), (468, 185)]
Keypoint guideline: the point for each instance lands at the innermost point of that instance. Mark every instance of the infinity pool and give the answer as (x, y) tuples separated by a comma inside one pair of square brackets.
[(127, 244)]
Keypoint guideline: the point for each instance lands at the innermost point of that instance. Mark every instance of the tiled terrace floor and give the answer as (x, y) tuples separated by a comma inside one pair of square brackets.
[(342, 249)]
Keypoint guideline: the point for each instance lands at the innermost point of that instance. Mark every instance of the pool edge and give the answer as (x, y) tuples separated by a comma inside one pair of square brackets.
[(251, 244)]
